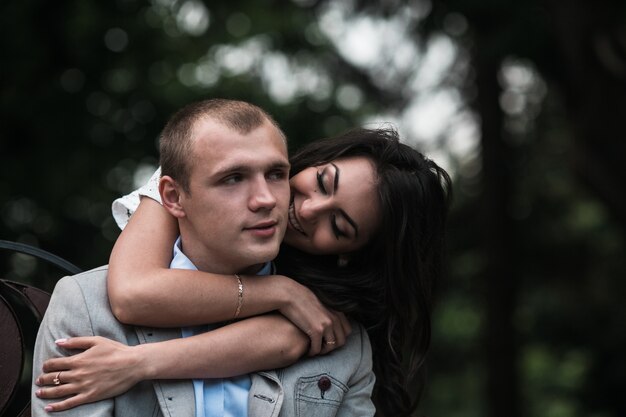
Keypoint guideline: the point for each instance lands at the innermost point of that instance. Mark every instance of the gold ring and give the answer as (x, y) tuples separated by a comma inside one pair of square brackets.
[(57, 379), (330, 342)]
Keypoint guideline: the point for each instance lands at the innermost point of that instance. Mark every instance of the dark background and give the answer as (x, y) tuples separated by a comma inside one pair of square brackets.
[(529, 320)]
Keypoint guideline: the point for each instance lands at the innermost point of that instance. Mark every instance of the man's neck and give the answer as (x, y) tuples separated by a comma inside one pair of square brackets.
[(252, 270), (204, 264)]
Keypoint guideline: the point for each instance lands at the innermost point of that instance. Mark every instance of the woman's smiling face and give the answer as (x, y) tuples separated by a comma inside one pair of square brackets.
[(334, 207)]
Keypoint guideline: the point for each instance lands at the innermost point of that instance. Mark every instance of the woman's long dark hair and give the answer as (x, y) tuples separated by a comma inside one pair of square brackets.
[(387, 284)]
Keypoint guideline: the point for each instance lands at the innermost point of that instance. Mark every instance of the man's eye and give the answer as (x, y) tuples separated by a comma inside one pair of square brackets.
[(320, 182), (277, 175), (232, 179)]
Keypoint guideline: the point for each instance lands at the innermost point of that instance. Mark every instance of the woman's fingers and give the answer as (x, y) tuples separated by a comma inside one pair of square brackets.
[(68, 403), (340, 332), (334, 330), (336, 336), (316, 343), (320, 328), (73, 343), (48, 379), (56, 365), (66, 389), (326, 329), (82, 342), (345, 324), (56, 391), (329, 344)]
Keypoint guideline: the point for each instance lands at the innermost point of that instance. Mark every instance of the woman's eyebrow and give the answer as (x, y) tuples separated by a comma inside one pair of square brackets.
[(337, 171)]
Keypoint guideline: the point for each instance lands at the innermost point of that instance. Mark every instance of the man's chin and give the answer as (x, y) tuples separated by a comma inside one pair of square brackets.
[(263, 255)]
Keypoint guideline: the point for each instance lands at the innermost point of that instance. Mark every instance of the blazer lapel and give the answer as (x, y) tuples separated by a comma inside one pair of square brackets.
[(175, 396)]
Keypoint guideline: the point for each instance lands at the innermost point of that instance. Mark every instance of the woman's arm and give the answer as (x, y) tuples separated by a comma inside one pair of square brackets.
[(144, 291), (108, 368)]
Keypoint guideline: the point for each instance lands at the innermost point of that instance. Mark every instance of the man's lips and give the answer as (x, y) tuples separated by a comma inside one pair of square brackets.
[(264, 229), (263, 225), (293, 219)]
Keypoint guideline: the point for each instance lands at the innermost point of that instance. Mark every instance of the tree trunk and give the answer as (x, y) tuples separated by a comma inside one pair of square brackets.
[(500, 280)]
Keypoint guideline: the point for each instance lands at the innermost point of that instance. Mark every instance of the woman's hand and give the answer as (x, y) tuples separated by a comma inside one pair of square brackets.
[(105, 369), (326, 328)]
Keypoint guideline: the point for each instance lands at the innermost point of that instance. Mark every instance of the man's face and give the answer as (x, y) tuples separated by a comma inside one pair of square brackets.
[(235, 213)]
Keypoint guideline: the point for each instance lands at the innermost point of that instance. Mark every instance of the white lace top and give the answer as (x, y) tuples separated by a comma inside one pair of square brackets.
[(125, 206)]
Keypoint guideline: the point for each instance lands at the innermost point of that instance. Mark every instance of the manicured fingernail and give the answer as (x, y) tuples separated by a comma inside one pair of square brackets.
[(60, 341), (48, 408), (38, 382), (38, 393)]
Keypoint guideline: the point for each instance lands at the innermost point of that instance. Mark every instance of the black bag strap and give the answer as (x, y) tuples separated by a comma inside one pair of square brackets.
[(41, 254)]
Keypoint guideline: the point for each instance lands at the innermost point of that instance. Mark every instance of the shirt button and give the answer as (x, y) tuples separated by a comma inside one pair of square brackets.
[(324, 383)]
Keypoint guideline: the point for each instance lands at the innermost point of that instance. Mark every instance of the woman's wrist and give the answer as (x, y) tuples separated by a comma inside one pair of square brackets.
[(262, 294), (145, 367), (283, 290)]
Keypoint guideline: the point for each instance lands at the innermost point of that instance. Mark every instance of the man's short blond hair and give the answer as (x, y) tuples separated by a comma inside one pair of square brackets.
[(176, 139)]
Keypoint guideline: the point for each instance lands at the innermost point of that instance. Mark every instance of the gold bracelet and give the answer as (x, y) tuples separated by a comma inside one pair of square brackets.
[(239, 296)]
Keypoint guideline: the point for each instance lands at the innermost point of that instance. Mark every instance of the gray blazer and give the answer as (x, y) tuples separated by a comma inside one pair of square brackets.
[(337, 384)]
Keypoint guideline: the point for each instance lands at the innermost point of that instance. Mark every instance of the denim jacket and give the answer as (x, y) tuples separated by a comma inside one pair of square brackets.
[(337, 384)]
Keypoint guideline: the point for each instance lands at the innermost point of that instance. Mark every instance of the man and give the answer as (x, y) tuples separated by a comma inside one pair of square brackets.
[(225, 178), (233, 225)]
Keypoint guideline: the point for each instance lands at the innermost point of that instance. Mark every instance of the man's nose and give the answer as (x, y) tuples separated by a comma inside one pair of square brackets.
[(261, 196)]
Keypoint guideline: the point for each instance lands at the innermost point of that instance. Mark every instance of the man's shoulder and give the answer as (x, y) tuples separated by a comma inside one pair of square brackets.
[(88, 276), (83, 297), (88, 282), (99, 271)]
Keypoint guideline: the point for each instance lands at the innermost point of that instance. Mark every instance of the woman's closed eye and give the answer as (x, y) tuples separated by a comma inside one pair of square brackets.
[(336, 231), (320, 182), (328, 179)]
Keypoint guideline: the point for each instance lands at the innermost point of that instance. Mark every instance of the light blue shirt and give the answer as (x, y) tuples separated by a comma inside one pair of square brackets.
[(219, 397)]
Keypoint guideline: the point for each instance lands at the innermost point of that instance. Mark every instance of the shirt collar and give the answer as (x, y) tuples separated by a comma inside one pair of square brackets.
[(180, 261)]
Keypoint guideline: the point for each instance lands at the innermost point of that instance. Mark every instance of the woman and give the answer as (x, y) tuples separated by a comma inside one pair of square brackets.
[(382, 280)]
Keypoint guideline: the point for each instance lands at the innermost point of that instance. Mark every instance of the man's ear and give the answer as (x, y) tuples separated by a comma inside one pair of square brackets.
[(170, 192)]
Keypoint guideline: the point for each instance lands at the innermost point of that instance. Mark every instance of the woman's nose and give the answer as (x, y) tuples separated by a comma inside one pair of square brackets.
[(313, 208)]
